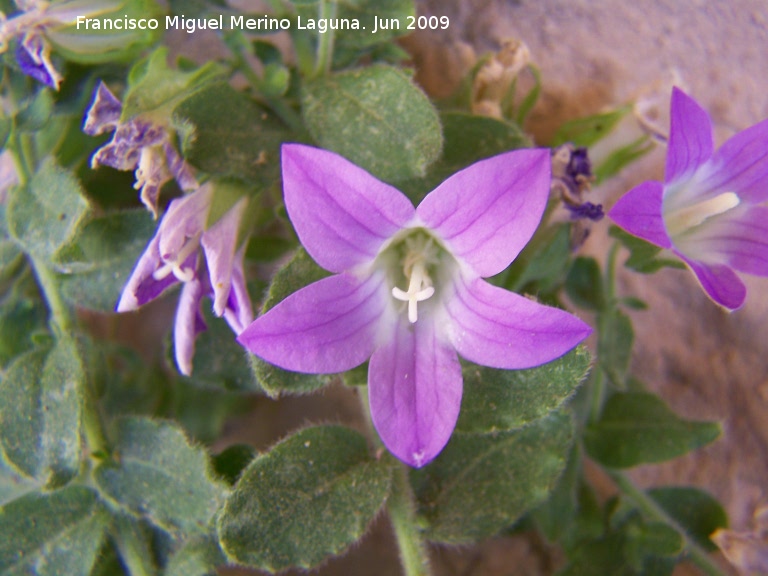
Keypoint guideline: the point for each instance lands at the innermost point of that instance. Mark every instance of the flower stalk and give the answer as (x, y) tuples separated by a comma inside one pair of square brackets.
[(325, 42)]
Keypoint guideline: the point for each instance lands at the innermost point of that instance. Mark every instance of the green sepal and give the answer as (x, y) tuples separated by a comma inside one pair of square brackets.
[(377, 118), (584, 284), (45, 214), (155, 89), (638, 428), (310, 497), (589, 130), (52, 534), (481, 484), (157, 474), (225, 133), (299, 272), (622, 157), (643, 256), (500, 400), (88, 46)]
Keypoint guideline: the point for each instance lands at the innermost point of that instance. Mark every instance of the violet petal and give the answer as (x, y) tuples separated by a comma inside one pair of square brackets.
[(690, 137), (329, 326), (188, 324), (342, 214), (415, 387), (104, 113), (488, 212), (720, 283), (142, 286), (739, 240), (238, 312), (184, 220), (34, 62), (639, 212), (497, 328)]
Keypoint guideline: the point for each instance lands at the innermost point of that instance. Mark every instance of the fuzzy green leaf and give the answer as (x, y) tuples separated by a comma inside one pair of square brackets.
[(156, 473), (198, 557), (614, 344), (296, 274), (226, 133), (99, 260), (638, 428), (40, 407), (20, 317), (310, 497), (481, 484), (498, 400), (377, 118), (44, 215), (52, 534), (694, 510)]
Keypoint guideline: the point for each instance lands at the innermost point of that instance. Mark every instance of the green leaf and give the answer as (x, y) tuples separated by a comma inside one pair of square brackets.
[(696, 511), (481, 484), (44, 215), (467, 139), (638, 428), (157, 474), (588, 131), (99, 260), (296, 274), (225, 133), (614, 345), (230, 463), (377, 118), (20, 316), (622, 157), (154, 89), (134, 544), (499, 400), (643, 256), (543, 263), (198, 557), (36, 112), (13, 485), (310, 497), (40, 397), (52, 534), (654, 539), (584, 285)]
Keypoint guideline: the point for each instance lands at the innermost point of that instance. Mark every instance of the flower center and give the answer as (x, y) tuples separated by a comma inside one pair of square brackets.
[(682, 219), (176, 265), (420, 252)]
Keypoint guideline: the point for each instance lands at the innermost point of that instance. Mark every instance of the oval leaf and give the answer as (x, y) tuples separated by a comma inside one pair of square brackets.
[(310, 497), (159, 475), (52, 534), (377, 118), (638, 428), (697, 512), (497, 400), (481, 484)]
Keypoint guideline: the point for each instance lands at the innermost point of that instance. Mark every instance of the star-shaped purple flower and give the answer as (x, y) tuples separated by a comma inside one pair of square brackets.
[(173, 256), (708, 210), (408, 290)]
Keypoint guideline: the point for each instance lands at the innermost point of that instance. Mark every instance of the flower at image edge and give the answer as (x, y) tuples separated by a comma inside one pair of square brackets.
[(407, 290), (710, 209)]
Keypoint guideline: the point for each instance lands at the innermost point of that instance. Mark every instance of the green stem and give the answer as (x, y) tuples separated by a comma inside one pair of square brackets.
[(402, 513), (652, 510), (62, 319), (401, 506), (325, 41), (20, 162)]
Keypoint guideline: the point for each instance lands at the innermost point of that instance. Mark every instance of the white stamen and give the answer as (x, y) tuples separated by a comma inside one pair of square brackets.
[(176, 265), (419, 288), (689, 217)]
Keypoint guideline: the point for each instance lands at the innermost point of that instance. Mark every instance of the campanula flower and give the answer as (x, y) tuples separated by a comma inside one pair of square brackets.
[(36, 21), (173, 257), (710, 209), (407, 290), (137, 144)]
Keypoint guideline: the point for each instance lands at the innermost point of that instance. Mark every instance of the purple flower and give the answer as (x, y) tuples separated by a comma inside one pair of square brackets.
[(173, 256), (407, 290), (708, 211), (138, 145)]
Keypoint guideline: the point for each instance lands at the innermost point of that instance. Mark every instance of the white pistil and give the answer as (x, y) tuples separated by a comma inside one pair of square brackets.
[(688, 217), (175, 265)]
